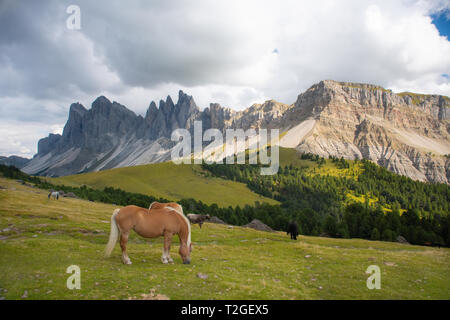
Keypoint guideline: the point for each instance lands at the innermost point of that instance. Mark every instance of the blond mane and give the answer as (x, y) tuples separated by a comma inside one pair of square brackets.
[(181, 214)]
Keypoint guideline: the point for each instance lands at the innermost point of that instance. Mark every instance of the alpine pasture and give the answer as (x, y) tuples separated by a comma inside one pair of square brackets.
[(40, 238)]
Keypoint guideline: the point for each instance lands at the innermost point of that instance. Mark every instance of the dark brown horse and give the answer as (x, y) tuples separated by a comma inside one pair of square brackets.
[(157, 222), (293, 229), (198, 218)]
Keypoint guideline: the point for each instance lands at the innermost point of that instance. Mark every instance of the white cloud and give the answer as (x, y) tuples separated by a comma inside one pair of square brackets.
[(231, 52), (20, 138)]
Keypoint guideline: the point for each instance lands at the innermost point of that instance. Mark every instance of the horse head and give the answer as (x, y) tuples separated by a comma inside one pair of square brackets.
[(185, 252)]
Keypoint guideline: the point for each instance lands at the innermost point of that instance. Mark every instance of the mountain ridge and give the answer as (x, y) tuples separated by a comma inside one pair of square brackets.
[(407, 133), (16, 161)]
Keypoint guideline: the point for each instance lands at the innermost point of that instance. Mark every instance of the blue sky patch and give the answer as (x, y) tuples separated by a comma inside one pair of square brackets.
[(442, 22)]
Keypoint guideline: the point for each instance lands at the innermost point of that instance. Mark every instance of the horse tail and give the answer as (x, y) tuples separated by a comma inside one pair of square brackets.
[(114, 234)]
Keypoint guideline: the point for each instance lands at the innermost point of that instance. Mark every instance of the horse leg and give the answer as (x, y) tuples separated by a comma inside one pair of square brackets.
[(166, 250), (123, 245), (200, 224)]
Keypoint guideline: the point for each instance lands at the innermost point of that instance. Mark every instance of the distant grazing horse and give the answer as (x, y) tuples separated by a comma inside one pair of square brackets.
[(54, 195), (193, 218), (198, 218), (152, 223), (293, 229)]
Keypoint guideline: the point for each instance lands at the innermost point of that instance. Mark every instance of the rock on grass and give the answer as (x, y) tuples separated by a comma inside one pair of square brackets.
[(202, 275)]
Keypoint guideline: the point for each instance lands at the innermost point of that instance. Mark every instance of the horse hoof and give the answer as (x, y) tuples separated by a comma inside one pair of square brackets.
[(126, 261)]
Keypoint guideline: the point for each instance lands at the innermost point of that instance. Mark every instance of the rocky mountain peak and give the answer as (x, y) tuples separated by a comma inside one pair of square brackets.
[(77, 109), (74, 124), (167, 106), (185, 101), (101, 102), (49, 144), (183, 96), (187, 110), (102, 109), (407, 132), (152, 111)]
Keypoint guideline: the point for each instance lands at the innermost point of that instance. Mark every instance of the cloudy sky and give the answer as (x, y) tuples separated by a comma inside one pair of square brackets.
[(235, 53)]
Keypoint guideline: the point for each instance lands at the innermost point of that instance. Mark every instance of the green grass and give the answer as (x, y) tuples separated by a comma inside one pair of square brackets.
[(372, 200), (418, 98), (46, 236), (170, 181), (175, 182), (290, 156), (330, 169), (364, 86)]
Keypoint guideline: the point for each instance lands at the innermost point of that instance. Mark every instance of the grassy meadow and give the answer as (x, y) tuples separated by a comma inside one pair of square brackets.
[(40, 238), (169, 181)]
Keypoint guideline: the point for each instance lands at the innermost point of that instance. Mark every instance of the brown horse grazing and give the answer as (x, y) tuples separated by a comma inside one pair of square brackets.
[(150, 224)]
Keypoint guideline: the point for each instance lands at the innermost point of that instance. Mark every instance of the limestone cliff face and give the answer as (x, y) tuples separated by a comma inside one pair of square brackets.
[(407, 133)]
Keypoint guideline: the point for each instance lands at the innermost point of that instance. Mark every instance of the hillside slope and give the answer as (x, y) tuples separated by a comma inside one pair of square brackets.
[(40, 238), (16, 161), (169, 181)]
